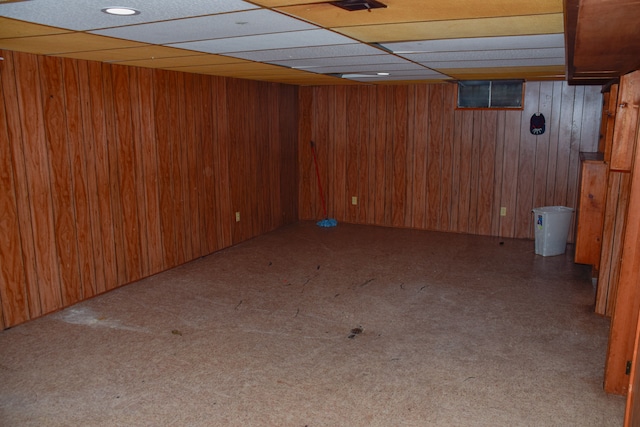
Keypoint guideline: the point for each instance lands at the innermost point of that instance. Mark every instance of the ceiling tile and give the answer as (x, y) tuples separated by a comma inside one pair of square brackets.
[(332, 51), (226, 25), (496, 63), (84, 15), (478, 43), (398, 11), (10, 28), (184, 61), (372, 68), (485, 27), (478, 55), (276, 3), (64, 43), (234, 69), (267, 41), (344, 60), (148, 52)]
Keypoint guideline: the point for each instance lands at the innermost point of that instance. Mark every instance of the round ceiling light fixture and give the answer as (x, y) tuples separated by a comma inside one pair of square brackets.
[(121, 11)]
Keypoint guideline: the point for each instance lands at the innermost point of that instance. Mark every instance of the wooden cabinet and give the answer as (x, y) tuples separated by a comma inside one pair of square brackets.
[(591, 207), (612, 240), (626, 122), (625, 154)]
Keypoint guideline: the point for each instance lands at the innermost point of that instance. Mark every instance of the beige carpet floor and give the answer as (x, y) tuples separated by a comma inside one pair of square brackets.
[(348, 326)]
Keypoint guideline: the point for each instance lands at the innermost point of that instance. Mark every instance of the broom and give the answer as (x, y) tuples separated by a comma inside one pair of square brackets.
[(326, 222)]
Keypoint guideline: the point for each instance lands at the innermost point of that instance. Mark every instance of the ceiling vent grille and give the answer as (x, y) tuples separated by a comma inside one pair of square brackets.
[(353, 5)]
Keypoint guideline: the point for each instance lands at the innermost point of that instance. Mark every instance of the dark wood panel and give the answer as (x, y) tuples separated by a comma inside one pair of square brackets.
[(13, 284), (306, 180), (371, 159), (338, 172), (486, 213), (147, 156), (36, 158), (165, 165), (77, 158), (381, 172), (113, 169), (28, 305), (526, 166), (409, 155), (207, 187), (222, 165), (475, 133), (124, 156), (288, 155), (55, 128), (239, 160), (434, 157), (447, 158), (180, 167), (498, 180), (354, 130), (464, 127), (510, 172), (193, 134), (136, 150), (98, 155), (420, 180), (399, 154)]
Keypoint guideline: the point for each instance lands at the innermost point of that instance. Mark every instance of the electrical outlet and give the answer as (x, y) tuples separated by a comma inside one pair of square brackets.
[(503, 211), (354, 200), (237, 216)]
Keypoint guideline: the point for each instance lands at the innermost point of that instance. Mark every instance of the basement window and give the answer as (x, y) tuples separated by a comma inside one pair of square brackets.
[(497, 94)]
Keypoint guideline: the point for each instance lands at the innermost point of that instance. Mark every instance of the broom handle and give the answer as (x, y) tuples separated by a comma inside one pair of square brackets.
[(315, 161)]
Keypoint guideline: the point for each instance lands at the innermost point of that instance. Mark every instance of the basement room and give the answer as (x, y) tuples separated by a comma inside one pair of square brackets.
[(319, 213)]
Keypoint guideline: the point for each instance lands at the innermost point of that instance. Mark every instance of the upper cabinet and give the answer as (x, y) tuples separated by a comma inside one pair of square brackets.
[(626, 119)]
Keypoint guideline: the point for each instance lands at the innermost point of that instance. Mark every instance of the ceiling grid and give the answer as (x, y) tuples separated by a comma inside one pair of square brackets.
[(299, 41)]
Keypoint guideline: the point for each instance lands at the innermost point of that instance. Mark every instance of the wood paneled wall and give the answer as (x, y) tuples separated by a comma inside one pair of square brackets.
[(109, 174), (413, 160)]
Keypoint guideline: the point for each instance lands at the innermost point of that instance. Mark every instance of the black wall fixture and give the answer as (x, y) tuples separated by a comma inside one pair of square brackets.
[(537, 124)]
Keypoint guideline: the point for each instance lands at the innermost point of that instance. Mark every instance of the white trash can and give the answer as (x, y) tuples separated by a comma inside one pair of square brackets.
[(552, 229)]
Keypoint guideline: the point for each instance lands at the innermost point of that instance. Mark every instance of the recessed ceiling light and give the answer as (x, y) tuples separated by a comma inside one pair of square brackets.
[(382, 74), (120, 11)]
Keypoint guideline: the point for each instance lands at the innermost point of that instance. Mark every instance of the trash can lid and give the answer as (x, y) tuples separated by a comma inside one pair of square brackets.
[(552, 209)]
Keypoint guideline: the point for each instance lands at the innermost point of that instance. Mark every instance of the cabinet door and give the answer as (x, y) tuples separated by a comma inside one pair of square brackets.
[(593, 195), (626, 122)]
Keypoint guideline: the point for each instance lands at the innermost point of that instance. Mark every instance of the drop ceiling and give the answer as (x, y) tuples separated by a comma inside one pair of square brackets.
[(302, 42)]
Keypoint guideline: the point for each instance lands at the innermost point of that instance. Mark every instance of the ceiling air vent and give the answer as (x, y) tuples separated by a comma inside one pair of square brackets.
[(353, 5)]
